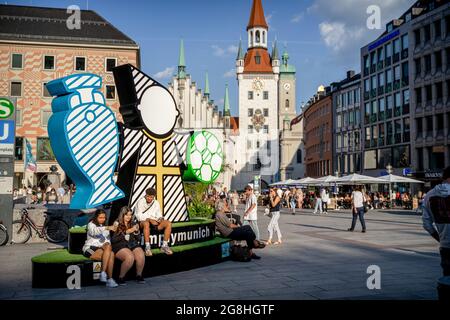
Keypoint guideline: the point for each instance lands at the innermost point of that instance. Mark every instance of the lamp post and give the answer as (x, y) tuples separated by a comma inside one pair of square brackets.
[(389, 171)]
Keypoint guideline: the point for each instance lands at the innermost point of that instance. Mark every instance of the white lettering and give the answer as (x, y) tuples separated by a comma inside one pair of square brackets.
[(74, 280), (374, 281), (74, 21), (374, 19)]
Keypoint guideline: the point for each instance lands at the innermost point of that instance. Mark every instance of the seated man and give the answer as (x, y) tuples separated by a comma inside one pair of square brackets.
[(148, 213), (234, 232)]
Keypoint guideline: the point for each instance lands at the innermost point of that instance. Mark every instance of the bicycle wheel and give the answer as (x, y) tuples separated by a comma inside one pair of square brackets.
[(21, 232), (3, 236), (56, 230)]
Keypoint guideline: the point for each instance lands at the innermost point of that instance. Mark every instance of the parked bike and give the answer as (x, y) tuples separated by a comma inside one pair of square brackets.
[(54, 229), (4, 237)]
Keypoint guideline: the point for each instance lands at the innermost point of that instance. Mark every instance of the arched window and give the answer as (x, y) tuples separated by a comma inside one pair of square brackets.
[(286, 104), (264, 37), (257, 37), (251, 38)]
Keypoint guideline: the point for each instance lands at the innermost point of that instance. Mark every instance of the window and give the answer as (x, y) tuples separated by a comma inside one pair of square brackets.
[(406, 97), (380, 54), (367, 85), (249, 144), (110, 64), (45, 115), (339, 121), (49, 62), (401, 157), (397, 73), (447, 24), (439, 91), (18, 117), (406, 130), (44, 150), (110, 92), (438, 59), (389, 76), (266, 95), (286, 104), (374, 107), (250, 112), (405, 42), (16, 89), (405, 73), (428, 93), (381, 79), (418, 95), (374, 83), (427, 33), (350, 98), (417, 37), (428, 63), (339, 141), (396, 46), (370, 159), (257, 58), (373, 58), (366, 62), (418, 64), (266, 129), (299, 156), (419, 126), (389, 50), (429, 121), (258, 37), (266, 112), (397, 101), (80, 64), (356, 96), (19, 149), (250, 129), (381, 105), (351, 119), (384, 158), (437, 29), (16, 61), (45, 92), (250, 95)]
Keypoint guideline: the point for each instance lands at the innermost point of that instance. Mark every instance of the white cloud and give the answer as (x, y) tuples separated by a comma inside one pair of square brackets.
[(298, 17), (230, 73), (220, 102), (166, 73), (337, 35), (224, 52)]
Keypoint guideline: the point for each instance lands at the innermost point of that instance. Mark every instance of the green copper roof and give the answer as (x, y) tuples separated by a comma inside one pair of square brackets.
[(226, 103), (240, 55), (275, 55), (285, 66), (181, 60), (206, 84)]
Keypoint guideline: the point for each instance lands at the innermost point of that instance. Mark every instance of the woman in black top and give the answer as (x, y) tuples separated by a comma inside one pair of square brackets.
[(126, 245), (275, 206)]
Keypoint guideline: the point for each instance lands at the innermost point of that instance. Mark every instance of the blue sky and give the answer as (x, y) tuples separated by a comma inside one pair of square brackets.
[(323, 37)]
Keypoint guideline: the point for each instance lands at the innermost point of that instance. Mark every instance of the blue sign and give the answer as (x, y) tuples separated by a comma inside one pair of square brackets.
[(84, 137), (384, 40), (7, 132), (407, 172)]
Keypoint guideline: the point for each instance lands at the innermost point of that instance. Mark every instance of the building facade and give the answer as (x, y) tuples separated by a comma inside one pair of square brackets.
[(430, 82), (266, 99), (318, 134), (393, 68), (37, 47), (347, 125)]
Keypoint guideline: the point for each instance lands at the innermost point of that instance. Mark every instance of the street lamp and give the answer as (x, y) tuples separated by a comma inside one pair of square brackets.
[(389, 171)]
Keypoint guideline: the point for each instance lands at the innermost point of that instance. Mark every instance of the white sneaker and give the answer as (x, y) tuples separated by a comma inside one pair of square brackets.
[(110, 283), (103, 276)]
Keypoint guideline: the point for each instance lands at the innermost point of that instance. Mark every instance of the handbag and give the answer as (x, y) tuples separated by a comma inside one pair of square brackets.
[(240, 254)]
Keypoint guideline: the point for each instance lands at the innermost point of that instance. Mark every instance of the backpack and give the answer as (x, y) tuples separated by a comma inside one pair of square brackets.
[(240, 254)]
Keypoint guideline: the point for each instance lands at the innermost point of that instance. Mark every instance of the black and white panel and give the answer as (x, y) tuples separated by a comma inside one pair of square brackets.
[(175, 209), (141, 183)]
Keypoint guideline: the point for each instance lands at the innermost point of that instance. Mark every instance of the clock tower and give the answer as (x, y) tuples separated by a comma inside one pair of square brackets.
[(258, 75)]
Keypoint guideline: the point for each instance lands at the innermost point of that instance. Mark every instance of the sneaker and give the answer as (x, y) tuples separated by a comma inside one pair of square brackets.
[(103, 277), (364, 231), (351, 230), (110, 283), (140, 279), (166, 250), (254, 256), (121, 282), (148, 252)]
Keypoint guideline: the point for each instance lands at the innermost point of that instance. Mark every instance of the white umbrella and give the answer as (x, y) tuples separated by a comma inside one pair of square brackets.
[(390, 178), (354, 179), (305, 181), (327, 180), (281, 183)]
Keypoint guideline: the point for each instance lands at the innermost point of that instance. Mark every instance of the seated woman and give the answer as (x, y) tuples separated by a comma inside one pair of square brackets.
[(98, 246), (125, 244), (229, 230)]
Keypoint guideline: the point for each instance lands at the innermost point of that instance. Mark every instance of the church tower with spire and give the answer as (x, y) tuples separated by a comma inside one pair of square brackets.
[(258, 75)]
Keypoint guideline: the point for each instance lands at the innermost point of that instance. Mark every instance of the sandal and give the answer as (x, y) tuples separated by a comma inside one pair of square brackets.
[(278, 243), (269, 242)]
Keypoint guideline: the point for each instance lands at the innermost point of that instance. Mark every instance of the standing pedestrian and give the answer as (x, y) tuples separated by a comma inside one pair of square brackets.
[(274, 208), (293, 200), (325, 197), (358, 209), (251, 210), (300, 197), (318, 206), (436, 218)]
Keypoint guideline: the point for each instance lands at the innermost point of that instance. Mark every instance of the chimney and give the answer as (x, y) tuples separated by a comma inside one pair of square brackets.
[(350, 74)]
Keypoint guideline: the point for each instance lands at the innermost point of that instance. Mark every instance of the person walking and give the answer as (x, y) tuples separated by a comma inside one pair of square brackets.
[(358, 209), (325, 197), (293, 200), (318, 206), (436, 218), (251, 211), (300, 197), (274, 208)]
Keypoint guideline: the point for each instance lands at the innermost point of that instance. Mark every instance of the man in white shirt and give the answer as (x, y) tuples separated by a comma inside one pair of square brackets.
[(148, 213), (358, 209), (251, 209)]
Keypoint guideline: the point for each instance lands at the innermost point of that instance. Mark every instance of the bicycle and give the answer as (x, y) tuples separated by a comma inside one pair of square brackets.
[(54, 229), (4, 237)]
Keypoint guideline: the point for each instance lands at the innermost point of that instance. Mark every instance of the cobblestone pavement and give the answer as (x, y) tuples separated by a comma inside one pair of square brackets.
[(318, 259)]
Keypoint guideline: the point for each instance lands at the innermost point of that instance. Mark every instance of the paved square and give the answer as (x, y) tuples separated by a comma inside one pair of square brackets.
[(319, 259)]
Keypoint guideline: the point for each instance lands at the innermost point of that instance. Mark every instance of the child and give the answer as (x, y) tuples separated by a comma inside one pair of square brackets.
[(98, 246)]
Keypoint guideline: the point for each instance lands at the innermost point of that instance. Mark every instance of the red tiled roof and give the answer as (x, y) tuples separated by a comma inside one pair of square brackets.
[(250, 65), (257, 18)]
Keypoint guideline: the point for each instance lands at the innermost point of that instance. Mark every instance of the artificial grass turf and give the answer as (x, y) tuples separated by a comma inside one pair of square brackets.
[(192, 222), (63, 255)]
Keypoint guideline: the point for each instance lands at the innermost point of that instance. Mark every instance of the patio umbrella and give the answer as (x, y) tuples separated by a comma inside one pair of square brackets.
[(305, 181), (329, 180), (355, 179), (390, 178), (281, 183)]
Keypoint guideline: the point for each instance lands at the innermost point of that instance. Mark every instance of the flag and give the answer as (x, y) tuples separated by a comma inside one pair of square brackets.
[(30, 162)]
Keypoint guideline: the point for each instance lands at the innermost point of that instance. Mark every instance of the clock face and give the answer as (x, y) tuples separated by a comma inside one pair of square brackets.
[(258, 84), (287, 86)]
